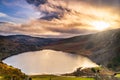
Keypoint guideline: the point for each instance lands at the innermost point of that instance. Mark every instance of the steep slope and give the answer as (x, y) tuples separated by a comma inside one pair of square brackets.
[(15, 44), (8, 73), (103, 47)]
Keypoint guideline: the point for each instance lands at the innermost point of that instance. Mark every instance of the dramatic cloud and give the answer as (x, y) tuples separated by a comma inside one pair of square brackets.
[(58, 8), (36, 2), (66, 18), (78, 12), (50, 8), (43, 28)]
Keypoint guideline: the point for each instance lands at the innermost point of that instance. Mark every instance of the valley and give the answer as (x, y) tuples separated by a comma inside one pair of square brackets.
[(96, 48)]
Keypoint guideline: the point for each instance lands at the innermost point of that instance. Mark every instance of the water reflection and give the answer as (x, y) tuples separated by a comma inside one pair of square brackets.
[(48, 62)]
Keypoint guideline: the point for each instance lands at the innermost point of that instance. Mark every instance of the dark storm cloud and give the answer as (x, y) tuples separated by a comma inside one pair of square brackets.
[(57, 8), (36, 2), (49, 8)]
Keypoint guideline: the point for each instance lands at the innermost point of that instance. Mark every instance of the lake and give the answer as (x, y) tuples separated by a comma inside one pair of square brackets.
[(48, 62)]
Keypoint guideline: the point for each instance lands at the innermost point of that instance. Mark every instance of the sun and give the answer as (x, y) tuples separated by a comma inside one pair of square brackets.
[(100, 25)]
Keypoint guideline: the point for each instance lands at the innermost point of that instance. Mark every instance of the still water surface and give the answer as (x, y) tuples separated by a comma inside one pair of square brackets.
[(48, 62)]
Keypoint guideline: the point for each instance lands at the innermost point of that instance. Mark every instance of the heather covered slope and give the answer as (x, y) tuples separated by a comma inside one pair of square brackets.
[(103, 47), (8, 73)]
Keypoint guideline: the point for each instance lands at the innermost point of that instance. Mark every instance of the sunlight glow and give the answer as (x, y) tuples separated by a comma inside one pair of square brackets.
[(100, 25)]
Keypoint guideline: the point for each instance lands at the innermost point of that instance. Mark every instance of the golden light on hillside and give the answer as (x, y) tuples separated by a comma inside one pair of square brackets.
[(100, 25)]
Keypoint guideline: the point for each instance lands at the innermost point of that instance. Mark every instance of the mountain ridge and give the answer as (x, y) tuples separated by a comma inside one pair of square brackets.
[(16, 44), (103, 47)]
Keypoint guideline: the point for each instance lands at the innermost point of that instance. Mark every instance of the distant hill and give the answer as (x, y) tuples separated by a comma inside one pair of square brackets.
[(15, 44), (8, 73), (102, 47)]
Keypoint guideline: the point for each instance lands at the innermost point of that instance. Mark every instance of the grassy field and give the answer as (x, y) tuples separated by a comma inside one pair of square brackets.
[(59, 78)]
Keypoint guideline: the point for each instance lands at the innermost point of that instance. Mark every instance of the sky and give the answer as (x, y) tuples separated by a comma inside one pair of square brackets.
[(58, 18)]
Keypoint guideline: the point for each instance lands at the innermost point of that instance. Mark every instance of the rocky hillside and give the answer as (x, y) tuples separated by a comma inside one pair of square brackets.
[(99, 73), (103, 47), (15, 44)]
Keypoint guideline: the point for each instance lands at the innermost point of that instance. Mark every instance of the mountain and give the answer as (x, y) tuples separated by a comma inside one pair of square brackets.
[(102, 47), (8, 73), (15, 44)]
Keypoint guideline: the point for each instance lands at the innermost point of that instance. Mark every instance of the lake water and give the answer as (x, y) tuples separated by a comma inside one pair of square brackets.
[(48, 62)]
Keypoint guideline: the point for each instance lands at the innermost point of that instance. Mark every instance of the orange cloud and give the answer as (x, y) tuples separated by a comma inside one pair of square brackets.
[(77, 20)]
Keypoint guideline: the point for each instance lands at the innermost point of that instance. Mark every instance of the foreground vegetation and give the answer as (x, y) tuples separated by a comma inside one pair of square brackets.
[(10, 73), (118, 75), (52, 77)]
